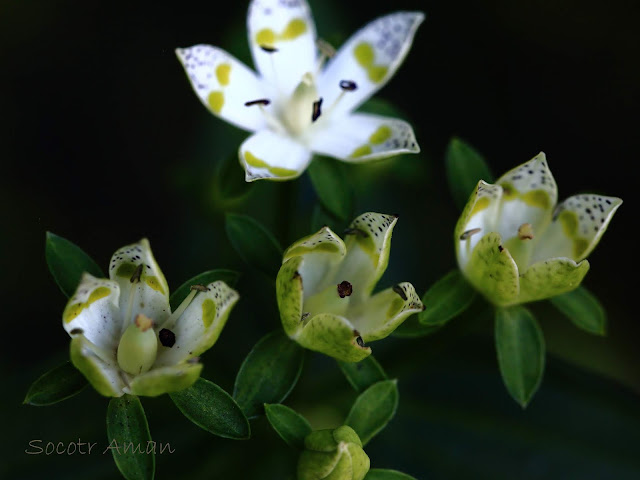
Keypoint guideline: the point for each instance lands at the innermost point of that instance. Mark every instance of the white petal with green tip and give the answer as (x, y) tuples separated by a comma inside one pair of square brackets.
[(334, 336), (369, 58), (165, 379), (93, 311), (282, 38), (362, 137), (272, 156), (224, 84), (549, 278), (104, 376), (578, 223)]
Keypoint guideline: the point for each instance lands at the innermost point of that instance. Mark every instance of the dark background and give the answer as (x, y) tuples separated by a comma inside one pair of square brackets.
[(103, 142)]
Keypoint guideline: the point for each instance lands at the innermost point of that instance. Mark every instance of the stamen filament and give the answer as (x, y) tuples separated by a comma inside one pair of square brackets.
[(171, 321)]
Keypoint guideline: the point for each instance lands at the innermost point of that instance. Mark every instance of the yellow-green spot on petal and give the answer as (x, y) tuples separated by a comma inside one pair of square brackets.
[(361, 151), (377, 73), (537, 198), (294, 29), (282, 172), (395, 307), (216, 101), (381, 135), (256, 162), (154, 283), (364, 54), (126, 270), (479, 206), (569, 221), (222, 73), (208, 312), (266, 37), (72, 311), (580, 245), (508, 191)]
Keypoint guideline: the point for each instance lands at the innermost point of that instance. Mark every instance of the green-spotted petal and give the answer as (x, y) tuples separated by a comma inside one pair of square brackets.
[(549, 278), (289, 292), (165, 379), (578, 223), (94, 312), (385, 311), (334, 336), (492, 271), (104, 376)]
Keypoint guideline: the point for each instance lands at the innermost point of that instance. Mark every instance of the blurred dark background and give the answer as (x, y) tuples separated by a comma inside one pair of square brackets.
[(103, 142)]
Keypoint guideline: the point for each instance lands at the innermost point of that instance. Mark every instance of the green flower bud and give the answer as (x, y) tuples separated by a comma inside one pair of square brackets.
[(333, 455), (138, 346)]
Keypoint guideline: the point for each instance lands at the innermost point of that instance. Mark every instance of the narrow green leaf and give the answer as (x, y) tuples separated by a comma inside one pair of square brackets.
[(129, 438), (290, 425), (373, 409), (56, 385), (446, 299), (67, 262), (212, 409), (465, 168), (269, 373), (361, 375), (384, 474), (330, 181), (230, 277), (583, 309), (254, 243), (521, 352)]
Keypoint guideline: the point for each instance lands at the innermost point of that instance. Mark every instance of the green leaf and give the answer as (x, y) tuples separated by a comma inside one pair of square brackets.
[(129, 438), (361, 375), (373, 409), (254, 243), (465, 168), (230, 277), (269, 373), (67, 262), (583, 309), (212, 409), (56, 385), (321, 217), (384, 474), (330, 181), (412, 328), (521, 352), (290, 425), (230, 187), (446, 299)]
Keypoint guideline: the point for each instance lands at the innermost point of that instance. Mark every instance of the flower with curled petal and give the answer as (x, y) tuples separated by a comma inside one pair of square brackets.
[(324, 289), (303, 98), (515, 245), (124, 337)]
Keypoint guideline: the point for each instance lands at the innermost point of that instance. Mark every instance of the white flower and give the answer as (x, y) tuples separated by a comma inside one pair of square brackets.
[(297, 105), (125, 338), (515, 245)]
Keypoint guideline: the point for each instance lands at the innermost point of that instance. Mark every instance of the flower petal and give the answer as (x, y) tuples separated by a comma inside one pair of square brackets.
[(549, 278), (224, 85), (165, 379), (94, 312), (103, 376), (199, 326), (492, 271), (477, 219), (362, 137), (268, 155), (385, 311), (369, 58), (578, 223), (287, 32), (333, 336), (367, 256), (149, 294), (289, 294)]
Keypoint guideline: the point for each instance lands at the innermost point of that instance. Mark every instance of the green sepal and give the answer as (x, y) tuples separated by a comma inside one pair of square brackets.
[(549, 278), (129, 438), (254, 243), (373, 409), (385, 474), (330, 181), (290, 425), (583, 309), (446, 299), (521, 352), (165, 379), (465, 168), (363, 374), (56, 385), (230, 277), (212, 409), (67, 262)]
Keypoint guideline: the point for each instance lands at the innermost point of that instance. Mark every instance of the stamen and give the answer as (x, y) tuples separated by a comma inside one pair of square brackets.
[(525, 231), (268, 49), (167, 337), (143, 322), (400, 291), (76, 331), (345, 289), (355, 231), (359, 340), (348, 85), (170, 322), (317, 110), (326, 49), (193, 360), (260, 101), (199, 288), (136, 274), (305, 315), (470, 233)]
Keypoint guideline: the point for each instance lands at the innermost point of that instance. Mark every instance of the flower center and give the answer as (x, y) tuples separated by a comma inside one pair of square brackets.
[(333, 299)]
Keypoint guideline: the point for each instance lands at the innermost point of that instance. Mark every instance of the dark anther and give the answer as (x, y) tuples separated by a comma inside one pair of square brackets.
[(76, 331), (348, 85), (136, 275), (355, 231), (260, 101), (167, 337), (200, 288), (360, 342), (501, 248), (304, 316), (193, 360), (268, 49), (398, 289), (469, 233), (345, 289), (317, 110)]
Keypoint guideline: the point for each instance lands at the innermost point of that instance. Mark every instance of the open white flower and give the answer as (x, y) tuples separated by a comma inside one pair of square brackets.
[(324, 289), (515, 245), (125, 338), (298, 105)]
